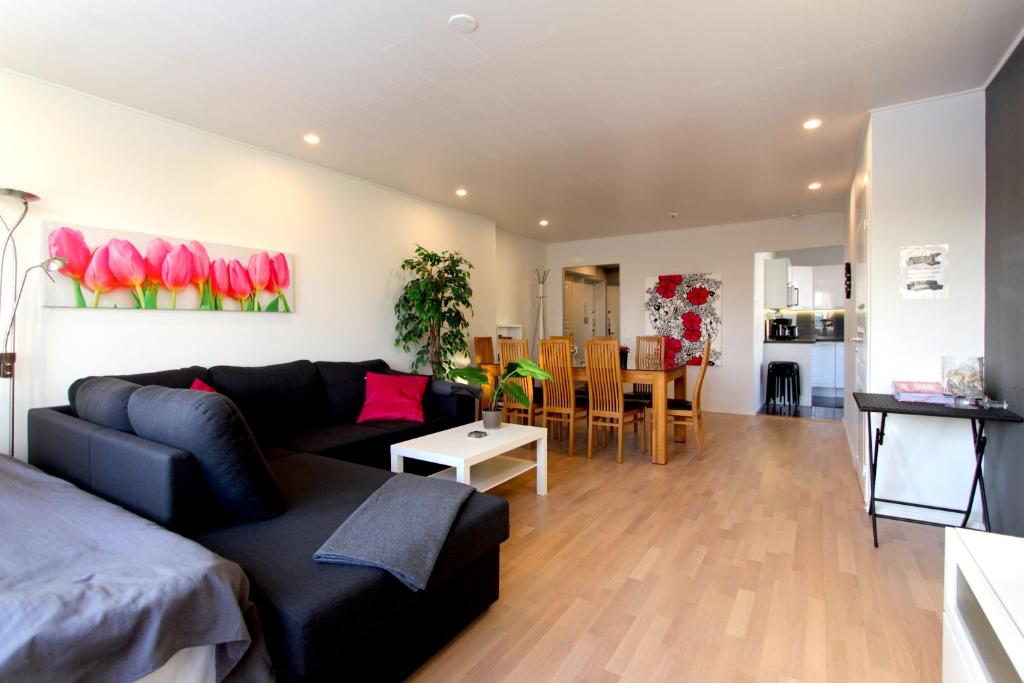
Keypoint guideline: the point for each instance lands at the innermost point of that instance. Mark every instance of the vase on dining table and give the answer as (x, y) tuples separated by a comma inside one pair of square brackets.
[(623, 358)]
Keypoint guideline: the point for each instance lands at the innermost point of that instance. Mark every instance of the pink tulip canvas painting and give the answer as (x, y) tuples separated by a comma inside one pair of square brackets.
[(113, 269)]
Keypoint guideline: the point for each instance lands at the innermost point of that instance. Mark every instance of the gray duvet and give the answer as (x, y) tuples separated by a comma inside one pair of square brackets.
[(91, 592)]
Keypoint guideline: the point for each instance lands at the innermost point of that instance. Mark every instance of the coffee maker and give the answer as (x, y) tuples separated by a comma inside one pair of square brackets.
[(781, 329)]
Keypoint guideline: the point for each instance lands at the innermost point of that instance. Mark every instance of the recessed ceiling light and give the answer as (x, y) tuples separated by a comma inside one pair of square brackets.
[(461, 192), (543, 222), (811, 124), (462, 23), (814, 186), (311, 139)]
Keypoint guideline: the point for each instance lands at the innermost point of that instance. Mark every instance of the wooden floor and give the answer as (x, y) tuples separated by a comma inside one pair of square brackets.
[(753, 564)]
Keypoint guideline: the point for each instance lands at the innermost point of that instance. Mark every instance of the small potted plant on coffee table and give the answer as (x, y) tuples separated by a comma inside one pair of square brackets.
[(522, 368)]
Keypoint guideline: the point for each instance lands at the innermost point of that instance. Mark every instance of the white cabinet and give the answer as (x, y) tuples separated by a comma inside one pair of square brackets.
[(776, 282), (823, 365), (828, 367), (829, 287), (840, 364), (802, 279)]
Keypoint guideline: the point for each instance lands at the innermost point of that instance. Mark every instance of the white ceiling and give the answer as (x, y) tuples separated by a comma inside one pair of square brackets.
[(601, 115)]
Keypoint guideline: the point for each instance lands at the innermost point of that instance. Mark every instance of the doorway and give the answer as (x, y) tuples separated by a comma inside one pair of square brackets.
[(590, 304)]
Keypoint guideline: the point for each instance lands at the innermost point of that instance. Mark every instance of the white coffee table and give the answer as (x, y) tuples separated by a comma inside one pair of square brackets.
[(481, 463)]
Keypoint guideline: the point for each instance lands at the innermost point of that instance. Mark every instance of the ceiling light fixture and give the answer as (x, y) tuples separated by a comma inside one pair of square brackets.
[(461, 192), (811, 124), (462, 23), (814, 186), (543, 222), (311, 139)]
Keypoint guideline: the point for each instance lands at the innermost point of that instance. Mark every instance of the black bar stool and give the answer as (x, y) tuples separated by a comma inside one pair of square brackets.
[(783, 385)]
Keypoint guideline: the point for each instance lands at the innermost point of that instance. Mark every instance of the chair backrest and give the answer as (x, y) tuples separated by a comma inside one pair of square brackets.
[(567, 338), (650, 355), (483, 350), (509, 351), (604, 377), (559, 392), (704, 360), (605, 338)]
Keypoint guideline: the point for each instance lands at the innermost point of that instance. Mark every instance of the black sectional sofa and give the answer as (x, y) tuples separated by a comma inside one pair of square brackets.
[(322, 622)]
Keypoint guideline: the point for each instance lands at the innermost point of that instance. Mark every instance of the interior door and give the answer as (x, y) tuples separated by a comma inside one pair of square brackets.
[(858, 342)]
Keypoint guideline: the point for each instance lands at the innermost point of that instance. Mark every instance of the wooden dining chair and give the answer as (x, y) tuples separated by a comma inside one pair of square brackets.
[(560, 405), (483, 350), (650, 355), (681, 411), (509, 351), (608, 407)]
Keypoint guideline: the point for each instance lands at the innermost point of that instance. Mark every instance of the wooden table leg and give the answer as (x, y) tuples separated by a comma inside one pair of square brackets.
[(659, 406), (679, 391)]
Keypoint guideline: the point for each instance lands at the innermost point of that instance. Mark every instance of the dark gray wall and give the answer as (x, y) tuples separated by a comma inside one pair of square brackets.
[(1004, 291)]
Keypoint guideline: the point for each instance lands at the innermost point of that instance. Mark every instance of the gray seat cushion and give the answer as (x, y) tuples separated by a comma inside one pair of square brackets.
[(210, 427)]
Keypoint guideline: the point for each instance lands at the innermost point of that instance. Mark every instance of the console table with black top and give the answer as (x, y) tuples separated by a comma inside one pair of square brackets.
[(887, 404)]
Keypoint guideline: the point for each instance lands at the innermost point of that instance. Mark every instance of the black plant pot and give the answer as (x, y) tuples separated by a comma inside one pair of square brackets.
[(623, 358)]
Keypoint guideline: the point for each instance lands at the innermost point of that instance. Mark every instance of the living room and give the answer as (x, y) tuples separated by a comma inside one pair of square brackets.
[(714, 543)]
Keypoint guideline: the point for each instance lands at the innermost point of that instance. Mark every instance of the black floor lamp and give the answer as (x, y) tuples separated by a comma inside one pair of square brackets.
[(48, 266)]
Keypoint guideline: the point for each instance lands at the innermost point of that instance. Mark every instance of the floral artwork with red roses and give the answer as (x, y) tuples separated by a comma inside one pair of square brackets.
[(111, 269), (685, 309)]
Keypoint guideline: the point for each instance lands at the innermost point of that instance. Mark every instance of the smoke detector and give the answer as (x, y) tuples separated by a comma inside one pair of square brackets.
[(462, 23)]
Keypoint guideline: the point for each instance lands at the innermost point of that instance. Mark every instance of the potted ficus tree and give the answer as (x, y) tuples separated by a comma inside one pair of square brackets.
[(432, 309), (521, 368)]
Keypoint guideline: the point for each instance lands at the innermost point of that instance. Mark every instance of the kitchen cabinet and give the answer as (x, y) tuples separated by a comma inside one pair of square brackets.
[(776, 282), (802, 279), (828, 286), (823, 365), (828, 368)]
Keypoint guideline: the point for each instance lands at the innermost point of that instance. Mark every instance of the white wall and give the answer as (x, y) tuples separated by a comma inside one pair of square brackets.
[(725, 249), (927, 179), (97, 163), (516, 292)]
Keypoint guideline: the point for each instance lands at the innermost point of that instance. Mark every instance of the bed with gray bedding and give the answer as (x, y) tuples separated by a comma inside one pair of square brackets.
[(89, 591)]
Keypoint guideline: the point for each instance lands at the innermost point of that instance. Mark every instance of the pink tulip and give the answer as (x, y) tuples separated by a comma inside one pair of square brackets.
[(219, 282), (200, 264), (126, 264), (260, 271), (241, 286), (69, 245), (177, 271), (281, 277), (156, 252), (97, 276)]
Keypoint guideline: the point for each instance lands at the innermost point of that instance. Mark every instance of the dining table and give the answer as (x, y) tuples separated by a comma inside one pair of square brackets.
[(660, 381)]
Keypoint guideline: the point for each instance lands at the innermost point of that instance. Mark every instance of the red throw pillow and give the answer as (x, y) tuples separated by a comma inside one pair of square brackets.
[(200, 385), (393, 397)]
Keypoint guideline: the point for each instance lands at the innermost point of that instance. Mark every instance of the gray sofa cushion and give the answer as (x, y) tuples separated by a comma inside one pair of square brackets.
[(273, 398), (345, 386), (181, 378), (104, 401), (210, 427)]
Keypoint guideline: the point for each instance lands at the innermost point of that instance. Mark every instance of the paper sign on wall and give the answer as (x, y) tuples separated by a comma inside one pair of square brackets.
[(924, 271)]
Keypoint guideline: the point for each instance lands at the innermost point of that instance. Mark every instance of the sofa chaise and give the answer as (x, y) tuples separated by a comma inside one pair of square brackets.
[(321, 621)]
